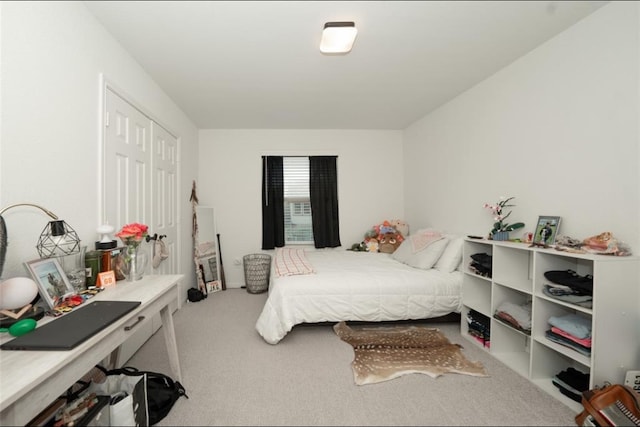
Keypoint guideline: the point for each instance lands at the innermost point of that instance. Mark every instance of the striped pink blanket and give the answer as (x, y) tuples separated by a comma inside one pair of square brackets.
[(291, 262)]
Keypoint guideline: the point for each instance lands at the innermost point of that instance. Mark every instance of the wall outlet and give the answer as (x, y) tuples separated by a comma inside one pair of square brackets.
[(632, 379)]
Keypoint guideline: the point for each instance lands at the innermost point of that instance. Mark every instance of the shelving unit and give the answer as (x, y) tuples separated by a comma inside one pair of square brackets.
[(518, 277)]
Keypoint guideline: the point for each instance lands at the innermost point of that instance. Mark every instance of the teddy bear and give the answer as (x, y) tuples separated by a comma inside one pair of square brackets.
[(384, 237), (401, 226), (389, 242)]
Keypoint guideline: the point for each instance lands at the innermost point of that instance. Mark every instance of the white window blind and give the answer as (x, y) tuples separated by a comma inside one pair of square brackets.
[(297, 206)]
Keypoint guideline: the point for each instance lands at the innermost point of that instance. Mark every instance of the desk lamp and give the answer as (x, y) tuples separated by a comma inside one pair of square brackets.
[(56, 239)]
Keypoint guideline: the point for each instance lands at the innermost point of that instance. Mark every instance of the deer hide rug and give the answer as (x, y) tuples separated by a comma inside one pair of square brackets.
[(385, 353)]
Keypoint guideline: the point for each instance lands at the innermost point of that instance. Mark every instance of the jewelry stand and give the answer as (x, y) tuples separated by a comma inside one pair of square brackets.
[(16, 315), (36, 313)]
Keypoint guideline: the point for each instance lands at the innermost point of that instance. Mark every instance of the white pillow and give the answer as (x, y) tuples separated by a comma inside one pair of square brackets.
[(424, 259), (452, 255)]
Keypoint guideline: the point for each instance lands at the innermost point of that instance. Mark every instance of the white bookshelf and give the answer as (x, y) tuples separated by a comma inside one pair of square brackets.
[(518, 276)]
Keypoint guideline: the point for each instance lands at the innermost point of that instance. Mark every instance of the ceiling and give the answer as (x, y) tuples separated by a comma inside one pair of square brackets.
[(257, 64)]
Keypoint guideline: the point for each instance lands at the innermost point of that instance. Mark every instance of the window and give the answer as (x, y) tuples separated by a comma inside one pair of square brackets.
[(297, 206), (308, 206)]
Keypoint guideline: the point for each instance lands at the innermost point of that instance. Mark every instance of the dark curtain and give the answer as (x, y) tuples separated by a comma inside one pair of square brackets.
[(323, 193), (272, 202)]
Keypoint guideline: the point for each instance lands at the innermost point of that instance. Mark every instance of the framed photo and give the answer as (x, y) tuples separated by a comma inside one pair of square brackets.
[(214, 286), (546, 230), (53, 283)]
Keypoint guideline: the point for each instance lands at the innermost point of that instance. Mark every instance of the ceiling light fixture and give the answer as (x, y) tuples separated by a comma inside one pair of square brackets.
[(338, 37)]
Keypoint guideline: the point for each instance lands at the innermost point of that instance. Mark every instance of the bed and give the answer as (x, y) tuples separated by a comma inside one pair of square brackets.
[(331, 285)]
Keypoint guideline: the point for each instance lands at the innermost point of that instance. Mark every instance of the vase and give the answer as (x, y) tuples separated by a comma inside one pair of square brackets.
[(501, 235), (74, 268), (135, 263)]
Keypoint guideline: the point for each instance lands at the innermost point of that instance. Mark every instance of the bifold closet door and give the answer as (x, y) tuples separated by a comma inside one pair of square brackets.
[(140, 177), (164, 184), (127, 163)]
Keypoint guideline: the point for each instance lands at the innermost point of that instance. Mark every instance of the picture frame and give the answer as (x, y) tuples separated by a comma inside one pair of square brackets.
[(213, 286), (106, 279), (546, 230), (52, 281)]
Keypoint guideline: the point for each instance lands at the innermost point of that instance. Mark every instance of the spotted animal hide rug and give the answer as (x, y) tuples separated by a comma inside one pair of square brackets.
[(385, 353)]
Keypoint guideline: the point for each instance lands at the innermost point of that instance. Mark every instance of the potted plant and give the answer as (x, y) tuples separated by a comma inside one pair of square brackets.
[(501, 228)]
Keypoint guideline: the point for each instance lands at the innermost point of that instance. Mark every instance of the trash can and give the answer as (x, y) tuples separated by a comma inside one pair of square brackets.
[(257, 268)]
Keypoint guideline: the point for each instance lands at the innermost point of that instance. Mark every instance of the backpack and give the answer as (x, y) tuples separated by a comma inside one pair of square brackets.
[(195, 295), (162, 391)]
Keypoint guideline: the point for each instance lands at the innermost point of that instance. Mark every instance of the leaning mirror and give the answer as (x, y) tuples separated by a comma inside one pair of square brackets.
[(206, 248)]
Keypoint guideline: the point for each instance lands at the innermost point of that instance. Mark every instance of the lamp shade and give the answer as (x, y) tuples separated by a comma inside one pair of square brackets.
[(58, 239), (338, 37)]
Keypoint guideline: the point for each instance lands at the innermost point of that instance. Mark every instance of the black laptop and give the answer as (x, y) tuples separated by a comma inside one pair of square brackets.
[(75, 327)]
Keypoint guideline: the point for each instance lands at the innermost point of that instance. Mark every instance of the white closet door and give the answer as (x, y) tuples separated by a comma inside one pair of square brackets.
[(140, 177), (165, 205), (127, 173)]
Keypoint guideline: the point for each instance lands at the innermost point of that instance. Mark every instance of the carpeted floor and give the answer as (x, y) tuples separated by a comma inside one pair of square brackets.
[(234, 378)]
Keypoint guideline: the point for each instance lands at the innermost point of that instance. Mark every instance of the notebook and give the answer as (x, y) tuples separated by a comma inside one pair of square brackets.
[(75, 327)]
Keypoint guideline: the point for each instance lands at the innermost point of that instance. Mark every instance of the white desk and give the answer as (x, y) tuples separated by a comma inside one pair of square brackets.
[(31, 380)]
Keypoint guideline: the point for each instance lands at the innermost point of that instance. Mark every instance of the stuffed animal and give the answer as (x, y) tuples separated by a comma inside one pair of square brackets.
[(372, 245), (400, 226), (371, 234), (358, 247), (389, 242), (384, 232)]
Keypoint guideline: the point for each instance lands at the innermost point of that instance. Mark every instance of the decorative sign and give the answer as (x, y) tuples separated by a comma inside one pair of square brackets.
[(106, 279)]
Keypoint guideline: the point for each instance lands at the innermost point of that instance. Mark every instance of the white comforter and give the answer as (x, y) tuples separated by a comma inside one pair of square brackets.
[(356, 286)]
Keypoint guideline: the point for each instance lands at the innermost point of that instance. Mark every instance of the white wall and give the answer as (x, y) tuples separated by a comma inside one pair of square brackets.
[(369, 182), (52, 56), (557, 129)]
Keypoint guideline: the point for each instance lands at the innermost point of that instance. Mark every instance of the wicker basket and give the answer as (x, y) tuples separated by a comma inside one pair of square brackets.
[(257, 268)]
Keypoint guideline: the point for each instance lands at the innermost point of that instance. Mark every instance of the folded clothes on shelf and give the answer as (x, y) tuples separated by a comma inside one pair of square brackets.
[(479, 326), (571, 383), (481, 264), (573, 324), (559, 339), (516, 315), (573, 280), (571, 298)]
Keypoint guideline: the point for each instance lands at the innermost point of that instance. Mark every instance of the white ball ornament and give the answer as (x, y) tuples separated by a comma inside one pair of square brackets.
[(17, 292)]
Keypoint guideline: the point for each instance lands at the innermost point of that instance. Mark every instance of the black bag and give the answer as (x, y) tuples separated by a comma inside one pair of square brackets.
[(162, 391), (195, 295)]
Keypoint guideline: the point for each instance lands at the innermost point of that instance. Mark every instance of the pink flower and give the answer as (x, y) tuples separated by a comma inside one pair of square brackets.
[(132, 233)]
